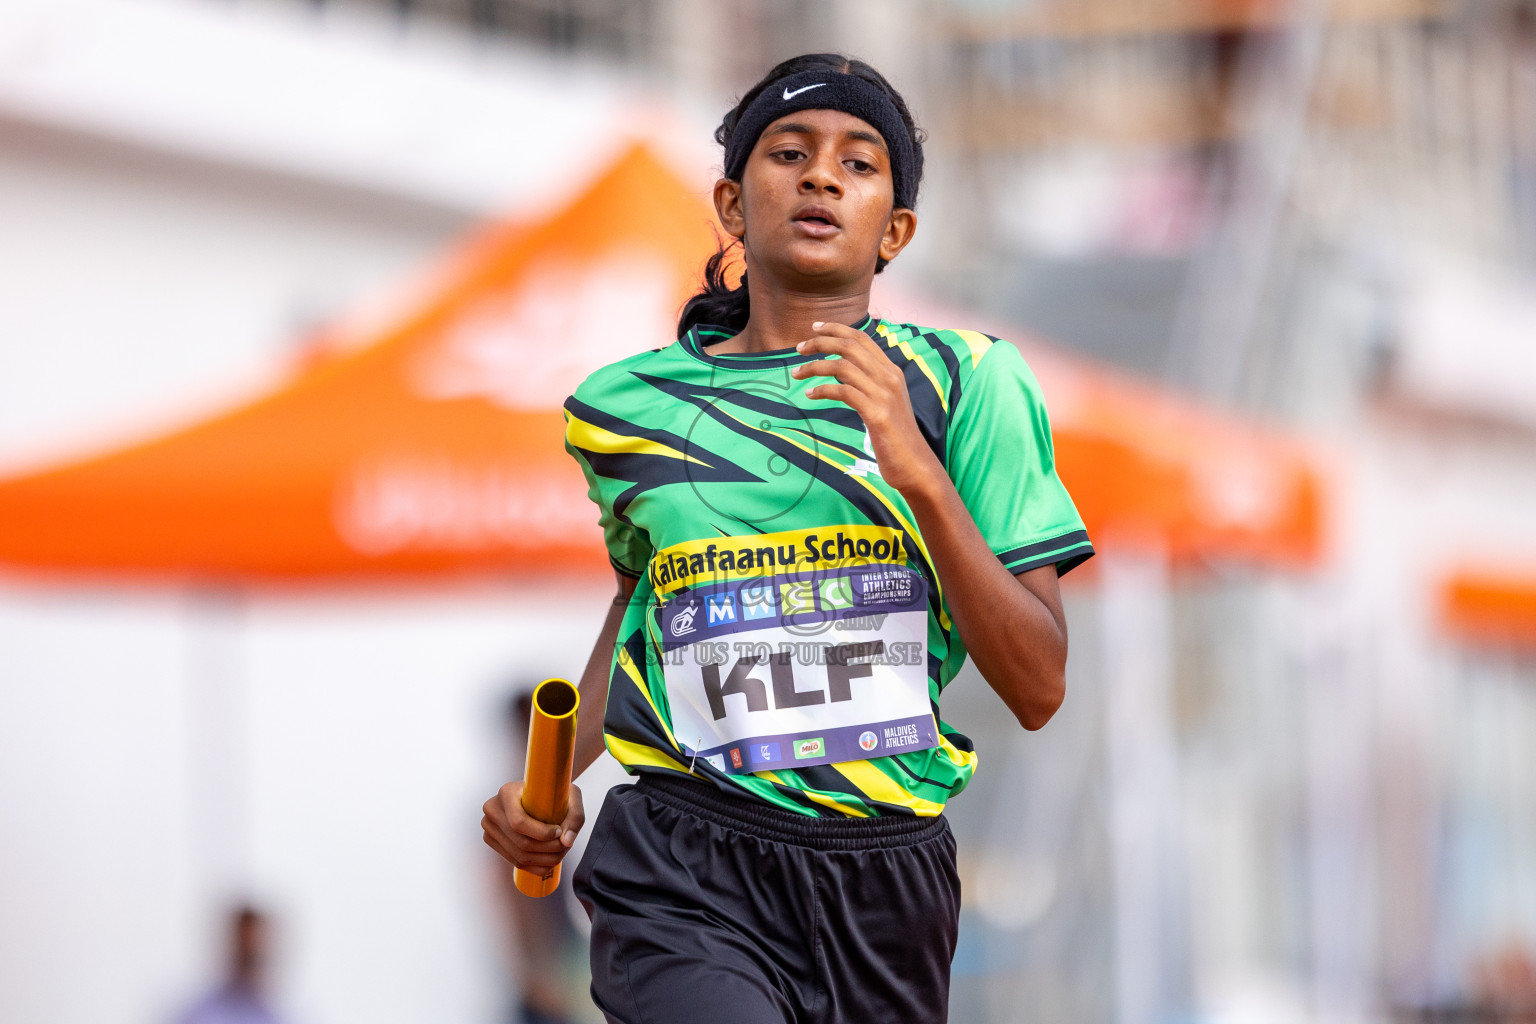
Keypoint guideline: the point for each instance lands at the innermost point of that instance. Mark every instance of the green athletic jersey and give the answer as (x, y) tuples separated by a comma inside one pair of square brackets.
[(689, 454)]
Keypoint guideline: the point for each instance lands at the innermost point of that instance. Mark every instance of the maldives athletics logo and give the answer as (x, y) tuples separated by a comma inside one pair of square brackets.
[(682, 622), (868, 741)]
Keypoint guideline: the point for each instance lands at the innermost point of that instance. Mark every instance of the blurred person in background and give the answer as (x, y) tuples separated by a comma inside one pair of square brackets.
[(241, 998), (792, 863), (1504, 985)]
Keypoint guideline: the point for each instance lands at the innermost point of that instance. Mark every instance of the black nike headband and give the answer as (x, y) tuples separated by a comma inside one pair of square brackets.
[(830, 90)]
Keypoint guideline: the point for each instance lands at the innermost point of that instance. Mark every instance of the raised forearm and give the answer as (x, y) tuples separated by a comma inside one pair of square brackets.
[(1012, 625), (1016, 635)]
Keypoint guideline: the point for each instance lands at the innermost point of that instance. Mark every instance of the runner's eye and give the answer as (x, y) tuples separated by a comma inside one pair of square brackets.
[(788, 155), (861, 166)]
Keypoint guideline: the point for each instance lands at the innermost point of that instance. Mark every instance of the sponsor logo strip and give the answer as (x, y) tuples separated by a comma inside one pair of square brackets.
[(842, 602), (852, 743)]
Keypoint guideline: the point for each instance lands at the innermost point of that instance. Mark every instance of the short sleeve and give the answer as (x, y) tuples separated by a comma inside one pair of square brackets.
[(629, 547), (1002, 461)]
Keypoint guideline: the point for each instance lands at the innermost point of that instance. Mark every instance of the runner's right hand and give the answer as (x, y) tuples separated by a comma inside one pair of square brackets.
[(526, 842)]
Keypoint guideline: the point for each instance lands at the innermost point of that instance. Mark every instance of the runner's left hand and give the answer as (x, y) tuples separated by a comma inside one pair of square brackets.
[(875, 388)]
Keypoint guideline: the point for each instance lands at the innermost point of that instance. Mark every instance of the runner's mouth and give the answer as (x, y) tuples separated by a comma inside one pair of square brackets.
[(817, 221)]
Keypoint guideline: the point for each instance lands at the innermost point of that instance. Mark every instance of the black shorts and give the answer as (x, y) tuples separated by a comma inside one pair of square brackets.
[(717, 909)]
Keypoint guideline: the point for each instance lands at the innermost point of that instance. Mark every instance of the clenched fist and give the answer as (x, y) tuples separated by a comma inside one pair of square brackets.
[(526, 842)]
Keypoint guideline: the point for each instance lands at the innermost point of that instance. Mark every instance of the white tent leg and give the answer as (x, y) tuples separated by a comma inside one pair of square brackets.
[(1151, 955)]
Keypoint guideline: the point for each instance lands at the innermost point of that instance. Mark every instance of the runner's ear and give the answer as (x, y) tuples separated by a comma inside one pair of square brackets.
[(898, 233), (728, 207)]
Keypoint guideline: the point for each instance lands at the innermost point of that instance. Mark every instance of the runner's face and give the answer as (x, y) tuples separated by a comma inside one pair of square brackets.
[(816, 200)]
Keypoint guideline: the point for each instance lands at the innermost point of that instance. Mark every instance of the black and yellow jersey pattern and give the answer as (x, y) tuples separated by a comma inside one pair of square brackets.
[(688, 453)]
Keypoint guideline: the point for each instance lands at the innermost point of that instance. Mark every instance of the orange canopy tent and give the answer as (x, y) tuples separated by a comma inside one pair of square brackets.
[(433, 443), (1493, 608)]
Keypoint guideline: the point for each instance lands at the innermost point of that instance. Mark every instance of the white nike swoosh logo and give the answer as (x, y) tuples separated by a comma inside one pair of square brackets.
[(791, 95)]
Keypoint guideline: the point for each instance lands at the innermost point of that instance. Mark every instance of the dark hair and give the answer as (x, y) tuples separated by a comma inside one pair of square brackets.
[(729, 307)]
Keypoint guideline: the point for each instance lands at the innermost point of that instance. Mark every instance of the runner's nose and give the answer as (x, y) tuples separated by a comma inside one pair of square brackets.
[(819, 178)]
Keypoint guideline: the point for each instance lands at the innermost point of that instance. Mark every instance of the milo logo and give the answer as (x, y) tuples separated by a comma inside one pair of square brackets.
[(809, 748)]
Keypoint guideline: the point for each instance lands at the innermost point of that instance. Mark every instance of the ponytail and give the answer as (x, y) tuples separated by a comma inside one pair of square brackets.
[(718, 303)]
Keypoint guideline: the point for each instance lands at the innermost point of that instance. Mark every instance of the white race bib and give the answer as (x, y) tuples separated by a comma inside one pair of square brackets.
[(794, 671)]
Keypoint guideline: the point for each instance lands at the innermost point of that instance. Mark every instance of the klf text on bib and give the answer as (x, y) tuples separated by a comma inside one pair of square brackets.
[(814, 653)]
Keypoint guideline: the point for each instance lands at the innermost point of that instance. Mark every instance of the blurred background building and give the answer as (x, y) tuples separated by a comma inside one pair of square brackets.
[(1291, 783)]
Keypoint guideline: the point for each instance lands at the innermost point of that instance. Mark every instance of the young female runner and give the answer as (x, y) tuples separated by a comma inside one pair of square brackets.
[(813, 515)]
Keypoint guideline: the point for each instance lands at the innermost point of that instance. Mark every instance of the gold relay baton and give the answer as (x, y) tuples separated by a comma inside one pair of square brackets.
[(547, 776)]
